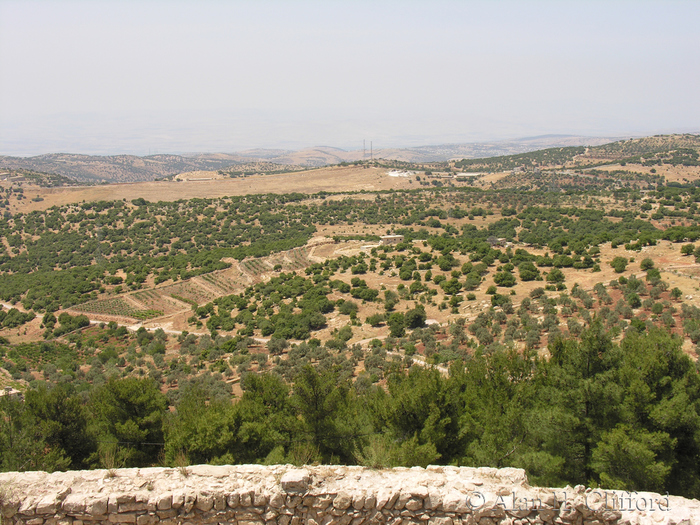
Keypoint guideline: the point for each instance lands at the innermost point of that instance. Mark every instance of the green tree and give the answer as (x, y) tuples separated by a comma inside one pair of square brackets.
[(22, 445), (619, 264), (555, 276), (201, 432), (648, 264), (130, 412), (62, 420), (320, 399), (581, 400), (397, 324), (506, 279), (269, 419), (416, 317)]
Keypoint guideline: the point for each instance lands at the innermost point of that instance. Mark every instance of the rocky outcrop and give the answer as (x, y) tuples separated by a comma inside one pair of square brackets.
[(321, 495)]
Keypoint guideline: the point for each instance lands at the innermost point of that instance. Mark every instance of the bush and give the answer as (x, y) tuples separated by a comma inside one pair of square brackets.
[(619, 264), (648, 264), (555, 276), (505, 279)]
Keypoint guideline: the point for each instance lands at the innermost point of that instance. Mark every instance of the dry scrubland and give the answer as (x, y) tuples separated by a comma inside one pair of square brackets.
[(334, 179), (678, 270), (264, 288)]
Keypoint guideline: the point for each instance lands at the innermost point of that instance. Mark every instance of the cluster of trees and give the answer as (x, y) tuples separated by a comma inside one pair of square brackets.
[(67, 255), (551, 156), (14, 318), (621, 415)]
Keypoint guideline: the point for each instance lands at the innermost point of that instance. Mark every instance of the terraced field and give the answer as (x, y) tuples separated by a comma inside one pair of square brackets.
[(180, 297), (117, 307)]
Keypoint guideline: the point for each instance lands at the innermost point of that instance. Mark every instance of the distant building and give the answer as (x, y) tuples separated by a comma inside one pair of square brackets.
[(387, 240), (11, 393)]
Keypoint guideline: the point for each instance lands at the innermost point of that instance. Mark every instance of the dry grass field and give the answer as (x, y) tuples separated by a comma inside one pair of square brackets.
[(333, 179)]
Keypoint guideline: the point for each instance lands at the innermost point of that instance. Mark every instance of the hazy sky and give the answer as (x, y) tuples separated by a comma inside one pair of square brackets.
[(174, 76)]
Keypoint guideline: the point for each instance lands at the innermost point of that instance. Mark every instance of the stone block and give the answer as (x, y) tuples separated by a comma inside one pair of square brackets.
[(127, 517), (323, 502), (177, 499), (147, 519), (10, 506), (358, 501), (611, 515), (205, 501), (297, 480), (491, 512), (219, 501), (401, 500), (35, 521), (47, 505), (247, 516), (433, 501), (440, 521), (97, 506), (395, 495), (293, 501), (190, 500), (382, 499), (455, 502), (418, 491), (134, 506), (75, 504), (342, 500), (414, 504), (164, 501), (546, 514), (233, 499), (166, 514), (246, 498), (277, 500), (28, 506)]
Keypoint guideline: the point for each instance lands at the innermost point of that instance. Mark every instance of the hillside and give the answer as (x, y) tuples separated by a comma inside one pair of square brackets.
[(129, 168), (267, 311), (119, 168), (647, 151)]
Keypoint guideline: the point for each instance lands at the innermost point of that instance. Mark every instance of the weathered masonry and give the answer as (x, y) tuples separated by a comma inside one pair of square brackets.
[(321, 495)]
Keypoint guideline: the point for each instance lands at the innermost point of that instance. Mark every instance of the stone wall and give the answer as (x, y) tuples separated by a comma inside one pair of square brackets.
[(321, 495)]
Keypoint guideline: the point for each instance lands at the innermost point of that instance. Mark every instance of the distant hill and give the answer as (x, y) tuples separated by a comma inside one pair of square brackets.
[(119, 168), (545, 149), (46, 180), (647, 151), (645, 146)]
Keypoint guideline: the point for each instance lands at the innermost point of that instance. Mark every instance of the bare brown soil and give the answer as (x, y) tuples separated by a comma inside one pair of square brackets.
[(672, 173), (334, 179)]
